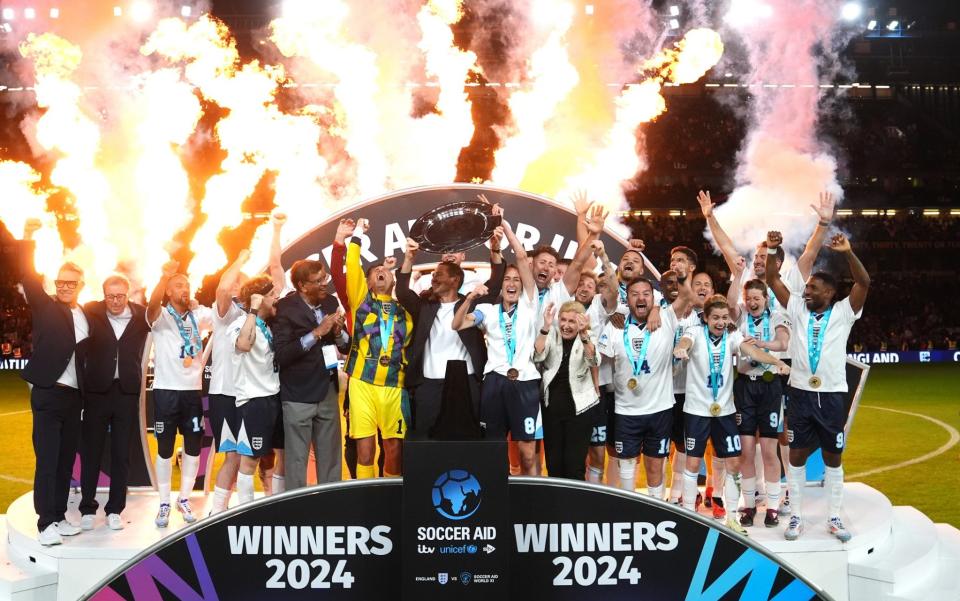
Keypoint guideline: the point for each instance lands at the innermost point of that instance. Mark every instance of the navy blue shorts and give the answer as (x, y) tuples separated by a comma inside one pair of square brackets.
[(759, 406), (676, 434), (177, 409), (816, 419), (721, 430), (602, 417), (261, 426), (223, 422), (510, 406), (646, 434)]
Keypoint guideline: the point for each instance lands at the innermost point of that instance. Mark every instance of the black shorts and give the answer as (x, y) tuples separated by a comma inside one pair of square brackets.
[(646, 434), (223, 422), (510, 406), (721, 430), (759, 406), (676, 432), (816, 419), (261, 426), (602, 417), (177, 409)]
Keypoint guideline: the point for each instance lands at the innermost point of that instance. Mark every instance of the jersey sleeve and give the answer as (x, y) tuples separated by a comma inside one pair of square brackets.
[(233, 331), (605, 341), (795, 309), (487, 310), (205, 317), (692, 334), (356, 280), (779, 319), (735, 339), (844, 311)]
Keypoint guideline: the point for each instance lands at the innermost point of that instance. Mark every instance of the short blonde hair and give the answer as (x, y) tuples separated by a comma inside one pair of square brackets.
[(573, 306)]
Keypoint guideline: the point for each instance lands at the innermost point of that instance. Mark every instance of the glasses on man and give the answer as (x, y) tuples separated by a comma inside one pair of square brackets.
[(115, 298), (68, 284)]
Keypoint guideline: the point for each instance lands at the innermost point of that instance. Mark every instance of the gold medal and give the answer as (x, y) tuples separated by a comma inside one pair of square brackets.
[(384, 360), (632, 383), (513, 374), (815, 382), (187, 361), (768, 376), (714, 409)]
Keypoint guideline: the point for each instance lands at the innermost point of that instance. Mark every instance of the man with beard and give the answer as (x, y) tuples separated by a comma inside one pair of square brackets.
[(510, 394), (177, 381), (378, 361), (818, 384), (642, 383), (435, 342), (256, 380), (471, 279)]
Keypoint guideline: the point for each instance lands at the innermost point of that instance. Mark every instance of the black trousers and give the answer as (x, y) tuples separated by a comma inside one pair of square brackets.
[(115, 412), (56, 429), (565, 443)]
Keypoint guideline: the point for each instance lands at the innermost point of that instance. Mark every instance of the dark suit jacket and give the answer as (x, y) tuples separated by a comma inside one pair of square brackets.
[(99, 356), (54, 340), (304, 376), (424, 312)]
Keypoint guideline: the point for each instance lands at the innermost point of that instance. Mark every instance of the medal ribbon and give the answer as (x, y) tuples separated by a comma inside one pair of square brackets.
[(628, 345), (623, 293), (752, 328), (716, 361), (189, 348), (386, 328), (815, 336), (262, 326), (508, 333)]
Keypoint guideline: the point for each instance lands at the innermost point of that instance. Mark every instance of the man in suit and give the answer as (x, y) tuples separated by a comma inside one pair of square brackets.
[(110, 362), (435, 341), (58, 324), (307, 328)]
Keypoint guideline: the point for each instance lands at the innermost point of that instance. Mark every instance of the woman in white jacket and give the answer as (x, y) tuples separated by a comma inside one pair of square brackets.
[(566, 354)]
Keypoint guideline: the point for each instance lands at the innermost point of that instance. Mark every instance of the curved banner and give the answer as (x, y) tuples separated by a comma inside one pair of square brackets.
[(564, 541), (535, 219)]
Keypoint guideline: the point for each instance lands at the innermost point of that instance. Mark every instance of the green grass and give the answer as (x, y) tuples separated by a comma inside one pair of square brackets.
[(878, 438)]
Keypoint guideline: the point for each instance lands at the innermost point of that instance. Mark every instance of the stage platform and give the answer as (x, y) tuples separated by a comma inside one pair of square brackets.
[(896, 554)]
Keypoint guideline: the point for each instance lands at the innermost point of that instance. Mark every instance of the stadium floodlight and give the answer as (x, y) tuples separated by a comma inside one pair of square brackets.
[(872, 25), (747, 12), (851, 11), (674, 24), (141, 11), (185, 11), (54, 13), (893, 25), (117, 11), (30, 13), (9, 14), (588, 10), (674, 11)]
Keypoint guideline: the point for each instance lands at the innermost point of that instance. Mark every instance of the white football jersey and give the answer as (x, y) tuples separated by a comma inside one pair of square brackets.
[(832, 368), (761, 329), (169, 353), (699, 384), (254, 372)]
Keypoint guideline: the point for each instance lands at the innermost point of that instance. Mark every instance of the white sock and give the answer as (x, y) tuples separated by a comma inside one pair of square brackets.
[(676, 483), (758, 467), (279, 484), (594, 474), (834, 484), (749, 488), (164, 469), (221, 499), (719, 476), (731, 492), (795, 477), (689, 490), (773, 494), (656, 491), (628, 474), (244, 487), (189, 466)]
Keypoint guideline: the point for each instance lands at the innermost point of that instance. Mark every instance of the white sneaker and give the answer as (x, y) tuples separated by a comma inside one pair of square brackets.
[(163, 516), (183, 506), (795, 529), (114, 522), (65, 528), (50, 536), (784, 506), (86, 522), (836, 528)]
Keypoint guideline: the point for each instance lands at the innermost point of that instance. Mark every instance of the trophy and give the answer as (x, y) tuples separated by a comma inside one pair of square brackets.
[(455, 227)]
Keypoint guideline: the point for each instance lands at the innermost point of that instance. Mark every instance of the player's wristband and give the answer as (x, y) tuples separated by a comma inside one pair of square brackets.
[(823, 223), (544, 332), (772, 250)]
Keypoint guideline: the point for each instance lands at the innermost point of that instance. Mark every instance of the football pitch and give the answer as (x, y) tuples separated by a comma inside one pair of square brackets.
[(903, 441)]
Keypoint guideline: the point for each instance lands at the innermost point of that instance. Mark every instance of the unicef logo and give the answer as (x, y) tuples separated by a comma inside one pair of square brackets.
[(456, 494)]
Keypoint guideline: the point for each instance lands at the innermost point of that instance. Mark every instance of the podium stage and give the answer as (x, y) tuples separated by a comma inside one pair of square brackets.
[(896, 553)]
